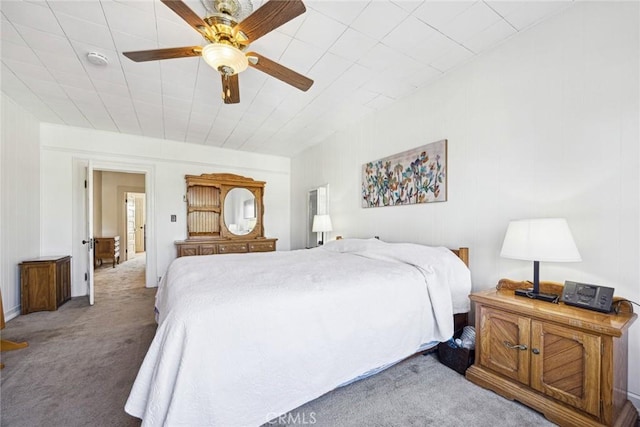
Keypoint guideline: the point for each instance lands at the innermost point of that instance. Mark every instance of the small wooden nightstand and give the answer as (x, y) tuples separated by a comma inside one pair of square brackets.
[(568, 363)]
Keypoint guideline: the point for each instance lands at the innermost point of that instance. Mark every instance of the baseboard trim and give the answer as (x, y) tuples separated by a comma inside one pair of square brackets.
[(634, 399), (13, 313)]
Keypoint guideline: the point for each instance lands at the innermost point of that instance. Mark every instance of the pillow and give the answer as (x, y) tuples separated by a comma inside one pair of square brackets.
[(352, 245)]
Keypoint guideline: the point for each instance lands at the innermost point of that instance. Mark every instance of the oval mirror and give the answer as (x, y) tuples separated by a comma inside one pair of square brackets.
[(240, 211)]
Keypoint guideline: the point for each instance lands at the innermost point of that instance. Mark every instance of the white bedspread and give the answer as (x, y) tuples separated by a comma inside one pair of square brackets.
[(245, 338)]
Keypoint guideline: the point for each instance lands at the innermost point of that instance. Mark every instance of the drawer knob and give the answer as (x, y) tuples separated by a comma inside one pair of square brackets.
[(535, 351), (515, 347)]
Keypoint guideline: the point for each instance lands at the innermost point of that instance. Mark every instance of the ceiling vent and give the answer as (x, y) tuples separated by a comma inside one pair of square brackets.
[(97, 58)]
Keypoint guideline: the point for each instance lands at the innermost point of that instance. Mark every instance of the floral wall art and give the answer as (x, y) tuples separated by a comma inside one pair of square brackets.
[(418, 175)]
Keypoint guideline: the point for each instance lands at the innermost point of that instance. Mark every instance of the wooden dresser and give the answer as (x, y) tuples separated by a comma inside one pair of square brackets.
[(214, 247), (107, 248), (566, 362), (45, 283), (224, 215)]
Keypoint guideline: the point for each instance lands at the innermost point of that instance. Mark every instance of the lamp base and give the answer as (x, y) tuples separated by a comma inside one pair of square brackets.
[(530, 294)]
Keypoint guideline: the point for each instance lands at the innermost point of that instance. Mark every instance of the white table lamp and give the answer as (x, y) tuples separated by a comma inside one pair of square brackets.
[(544, 239), (321, 224)]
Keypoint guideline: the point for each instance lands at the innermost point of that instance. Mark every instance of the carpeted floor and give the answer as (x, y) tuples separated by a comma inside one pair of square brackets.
[(82, 360)]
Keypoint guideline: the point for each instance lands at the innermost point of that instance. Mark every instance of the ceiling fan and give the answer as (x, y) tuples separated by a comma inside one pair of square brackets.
[(227, 39)]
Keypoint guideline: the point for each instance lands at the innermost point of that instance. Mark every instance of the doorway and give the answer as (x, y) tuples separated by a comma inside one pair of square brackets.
[(135, 226), (119, 212)]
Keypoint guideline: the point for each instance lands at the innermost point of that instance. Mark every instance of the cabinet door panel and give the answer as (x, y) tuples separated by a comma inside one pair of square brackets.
[(39, 292), (505, 344), (188, 250), (567, 365), (207, 249)]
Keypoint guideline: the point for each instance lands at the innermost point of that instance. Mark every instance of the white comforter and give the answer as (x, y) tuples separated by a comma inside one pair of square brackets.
[(244, 338)]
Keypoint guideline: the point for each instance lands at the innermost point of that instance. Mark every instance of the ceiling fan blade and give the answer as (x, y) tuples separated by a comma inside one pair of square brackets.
[(278, 71), (230, 89), (190, 17), (270, 16), (169, 53)]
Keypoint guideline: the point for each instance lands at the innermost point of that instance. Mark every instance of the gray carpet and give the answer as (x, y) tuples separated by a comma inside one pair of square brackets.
[(82, 360)]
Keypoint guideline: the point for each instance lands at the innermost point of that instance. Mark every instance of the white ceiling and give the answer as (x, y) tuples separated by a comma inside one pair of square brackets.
[(362, 55)]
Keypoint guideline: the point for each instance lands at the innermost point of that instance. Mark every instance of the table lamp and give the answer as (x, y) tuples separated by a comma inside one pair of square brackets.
[(544, 239), (321, 223)]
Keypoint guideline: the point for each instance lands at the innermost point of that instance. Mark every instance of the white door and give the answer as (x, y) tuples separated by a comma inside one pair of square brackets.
[(89, 241), (131, 225), (140, 225)]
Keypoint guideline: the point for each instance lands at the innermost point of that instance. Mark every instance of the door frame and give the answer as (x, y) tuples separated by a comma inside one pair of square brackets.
[(149, 172)]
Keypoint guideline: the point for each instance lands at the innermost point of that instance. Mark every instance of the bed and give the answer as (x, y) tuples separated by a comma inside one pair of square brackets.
[(244, 338)]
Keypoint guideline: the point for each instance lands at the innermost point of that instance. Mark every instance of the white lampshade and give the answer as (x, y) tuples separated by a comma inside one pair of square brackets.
[(545, 239), (219, 55), (321, 223)]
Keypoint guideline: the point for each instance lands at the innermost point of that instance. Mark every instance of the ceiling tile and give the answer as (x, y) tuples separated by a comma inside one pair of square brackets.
[(130, 20), (522, 14), (72, 79), (353, 45), (381, 57), (148, 7), (111, 88), (490, 36), (379, 18), (379, 102), (86, 32), (9, 33), (408, 5), (28, 71), (320, 31), (140, 70), (290, 29), (31, 15), (87, 10), (409, 36), (433, 48), (175, 33), (47, 42), (21, 53), (452, 58), (84, 96), (330, 67), (439, 13), (97, 115), (272, 45), (342, 11), (126, 43), (301, 56), (473, 20), (68, 112)]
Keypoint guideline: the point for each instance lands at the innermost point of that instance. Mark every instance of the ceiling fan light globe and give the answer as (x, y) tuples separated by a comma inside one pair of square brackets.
[(225, 57)]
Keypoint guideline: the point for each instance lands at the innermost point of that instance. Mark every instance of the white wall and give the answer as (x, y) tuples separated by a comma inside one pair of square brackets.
[(545, 125), (20, 201), (67, 150), (114, 185)]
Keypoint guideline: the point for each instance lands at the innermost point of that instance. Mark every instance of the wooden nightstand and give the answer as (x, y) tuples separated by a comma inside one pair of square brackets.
[(568, 363)]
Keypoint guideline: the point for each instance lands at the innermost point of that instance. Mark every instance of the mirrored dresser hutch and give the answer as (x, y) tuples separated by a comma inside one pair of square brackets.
[(224, 215)]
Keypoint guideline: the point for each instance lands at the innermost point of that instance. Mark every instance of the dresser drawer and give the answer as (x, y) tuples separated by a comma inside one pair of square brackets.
[(232, 248), (262, 246)]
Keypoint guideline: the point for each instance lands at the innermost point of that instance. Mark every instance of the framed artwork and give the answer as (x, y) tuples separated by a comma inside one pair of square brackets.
[(415, 176)]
